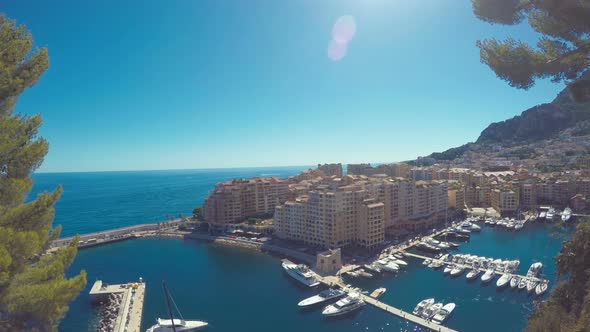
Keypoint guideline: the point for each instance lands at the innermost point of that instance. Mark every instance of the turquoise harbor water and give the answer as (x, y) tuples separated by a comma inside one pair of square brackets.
[(235, 290)]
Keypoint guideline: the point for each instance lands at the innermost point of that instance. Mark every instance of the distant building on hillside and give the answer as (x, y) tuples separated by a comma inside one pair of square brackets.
[(331, 169)]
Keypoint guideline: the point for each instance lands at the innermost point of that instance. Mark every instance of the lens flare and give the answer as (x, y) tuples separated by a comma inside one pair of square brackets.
[(344, 29), (336, 50)]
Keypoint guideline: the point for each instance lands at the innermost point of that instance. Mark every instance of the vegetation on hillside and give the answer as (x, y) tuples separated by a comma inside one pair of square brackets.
[(568, 308), (34, 292)]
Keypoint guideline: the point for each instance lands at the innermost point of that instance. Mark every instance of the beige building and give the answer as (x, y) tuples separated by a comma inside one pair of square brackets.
[(332, 217), (233, 201), (328, 262), (456, 195), (505, 201)]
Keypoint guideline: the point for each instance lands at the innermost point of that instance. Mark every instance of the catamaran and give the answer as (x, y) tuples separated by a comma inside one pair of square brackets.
[(175, 324)]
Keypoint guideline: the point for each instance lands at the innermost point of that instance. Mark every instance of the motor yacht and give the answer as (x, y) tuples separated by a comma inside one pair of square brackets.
[(348, 304), (504, 280), (365, 274), (531, 285), (473, 274), (488, 275), (373, 268), (443, 314), (448, 269), (566, 214), (422, 305), (397, 261), (522, 284), (541, 288), (457, 270), (550, 214), (323, 296), (514, 282), (431, 310), (300, 273)]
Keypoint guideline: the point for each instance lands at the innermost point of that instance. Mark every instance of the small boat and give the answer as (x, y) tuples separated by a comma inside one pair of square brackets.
[(458, 270), (174, 324), (566, 214), (373, 268), (348, 304), (398, 255), (435, 265), (518, 226), (542, 215), (550, 214), (422, 305), (353, 274), (365, 274), (473, 274), (541, 288), (389, 267), (531, 285), (431, 311), (448, 269), (397, 261), (378, 292), (488, 276), (514, 281), (503, 281), (300, 273), (522, 284), (323, 296), (426, 262), (443, 314)]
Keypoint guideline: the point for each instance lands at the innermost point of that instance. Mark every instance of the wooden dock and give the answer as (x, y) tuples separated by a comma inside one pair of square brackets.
[(335, 281), (469, 267)]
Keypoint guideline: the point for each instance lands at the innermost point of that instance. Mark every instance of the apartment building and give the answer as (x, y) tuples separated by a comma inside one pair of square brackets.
[(332, 217), (456, 195), (505, 201), (235, 200)]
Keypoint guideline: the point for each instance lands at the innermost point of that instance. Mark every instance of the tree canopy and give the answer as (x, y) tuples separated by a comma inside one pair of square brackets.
[(34, 292), (561, 54)]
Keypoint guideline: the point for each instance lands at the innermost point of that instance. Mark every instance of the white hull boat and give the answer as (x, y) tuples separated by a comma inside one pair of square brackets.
[(514, 281), (300, 273), (346, 305), (165, 325), (503, 281), (420, 307), (432, 310), (457, 271), (541, 288), (443, 314), (323, 296), (473, 274), (488, 276)]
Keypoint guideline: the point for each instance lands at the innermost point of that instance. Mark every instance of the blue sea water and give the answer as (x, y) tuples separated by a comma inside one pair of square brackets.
[(235, 289), (104, 200)]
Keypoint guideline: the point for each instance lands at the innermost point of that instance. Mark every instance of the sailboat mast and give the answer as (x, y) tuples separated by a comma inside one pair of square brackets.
[(166, 296)]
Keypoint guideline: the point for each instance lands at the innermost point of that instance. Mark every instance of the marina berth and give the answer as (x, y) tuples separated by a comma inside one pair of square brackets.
[(300, 272), (323, 296)]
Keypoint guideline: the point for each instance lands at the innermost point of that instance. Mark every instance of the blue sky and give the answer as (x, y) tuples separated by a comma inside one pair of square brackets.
[(174, 84)]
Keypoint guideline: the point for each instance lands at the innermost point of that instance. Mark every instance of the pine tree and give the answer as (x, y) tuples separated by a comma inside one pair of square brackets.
[(561, 54), (34, 292)]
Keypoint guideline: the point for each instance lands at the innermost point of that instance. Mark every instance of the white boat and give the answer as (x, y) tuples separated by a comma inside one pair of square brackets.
[(522, 284), (431, 311), (541, 288), (364, 274), (488, 276), (348, 304), (389, 267), (550, 214), (174, 324), (531, 285), (473, 274), (435, 265), (397, 261), (300, 273), (503, 280), (181, 325), (535, 269), (448, 269), (443, 314), (518, 226), (426, 262), (458, 270), (566, 214), (323, 296), (514, 281), (542, 215), (422, 305), (373, 267)]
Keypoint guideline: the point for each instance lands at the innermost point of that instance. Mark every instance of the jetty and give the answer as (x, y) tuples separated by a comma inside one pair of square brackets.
[(332, 281), (122, 305), (469, 267)]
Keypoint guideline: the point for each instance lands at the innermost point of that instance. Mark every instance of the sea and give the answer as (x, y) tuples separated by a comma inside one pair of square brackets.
[(240, 290)]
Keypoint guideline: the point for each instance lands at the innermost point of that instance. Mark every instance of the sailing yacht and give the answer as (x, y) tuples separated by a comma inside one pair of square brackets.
[(175, 324)]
